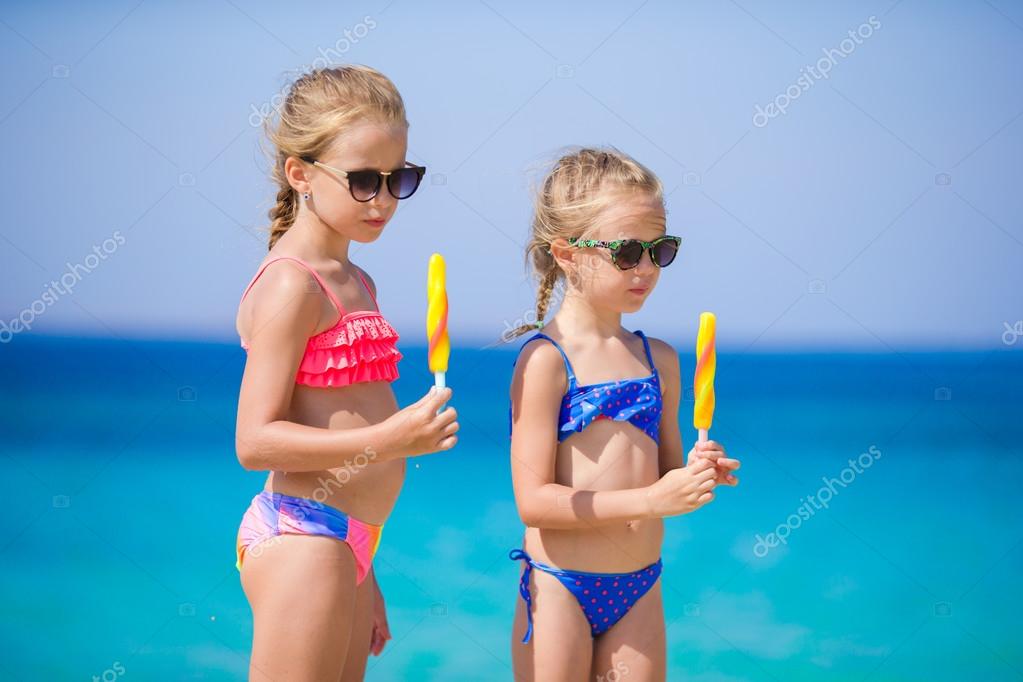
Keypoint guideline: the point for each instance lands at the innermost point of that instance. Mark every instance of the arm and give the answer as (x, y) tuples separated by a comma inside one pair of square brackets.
[(669, 452), (381, 630), (286, 304), (542, 503)]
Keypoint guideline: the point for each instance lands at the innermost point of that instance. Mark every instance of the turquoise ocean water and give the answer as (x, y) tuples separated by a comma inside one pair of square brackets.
[(124, 496)]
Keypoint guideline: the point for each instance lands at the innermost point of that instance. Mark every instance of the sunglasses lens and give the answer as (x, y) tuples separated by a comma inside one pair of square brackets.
[(628, 254), (403, 183), (665, 252), (364, 184)]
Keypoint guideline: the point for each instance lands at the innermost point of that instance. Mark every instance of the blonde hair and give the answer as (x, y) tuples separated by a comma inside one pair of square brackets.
[(320, 105), (571, 196)]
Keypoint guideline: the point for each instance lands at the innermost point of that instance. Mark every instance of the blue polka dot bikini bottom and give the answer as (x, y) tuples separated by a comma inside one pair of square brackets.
[(605, 598)]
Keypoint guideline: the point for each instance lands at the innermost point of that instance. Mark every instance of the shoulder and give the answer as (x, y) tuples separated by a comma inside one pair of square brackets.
[(283, 278), (285, 294), (665, 355), (539, 358)]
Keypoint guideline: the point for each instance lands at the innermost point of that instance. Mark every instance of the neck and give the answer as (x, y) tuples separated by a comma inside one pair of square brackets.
[(578, 316), (318, 237)]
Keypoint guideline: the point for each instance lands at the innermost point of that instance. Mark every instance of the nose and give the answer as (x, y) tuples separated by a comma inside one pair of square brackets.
[(646, 265), (383, 201)]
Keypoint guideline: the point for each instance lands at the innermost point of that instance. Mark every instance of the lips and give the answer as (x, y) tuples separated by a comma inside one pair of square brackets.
[(375, 223), (639, 291)]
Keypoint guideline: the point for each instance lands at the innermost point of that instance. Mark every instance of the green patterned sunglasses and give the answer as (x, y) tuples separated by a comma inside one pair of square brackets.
[(626, 253)]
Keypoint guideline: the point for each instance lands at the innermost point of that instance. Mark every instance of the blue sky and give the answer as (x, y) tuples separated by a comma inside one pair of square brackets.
[(880, 211)]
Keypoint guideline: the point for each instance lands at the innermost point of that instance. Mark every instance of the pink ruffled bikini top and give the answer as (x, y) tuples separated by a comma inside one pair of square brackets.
[(361, 347)]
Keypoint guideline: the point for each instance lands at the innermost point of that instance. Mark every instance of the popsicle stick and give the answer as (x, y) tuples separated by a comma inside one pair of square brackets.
[(703, 436), (439, 381)]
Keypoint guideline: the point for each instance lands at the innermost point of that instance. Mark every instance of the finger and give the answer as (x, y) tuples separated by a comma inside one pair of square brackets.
[(709, 446), (710, 473), (426, 396), (707, 485), (729, 463), (701, 464), (731, 480), (437, 397), (447, 443), (375, 644), (451, 429), (446, 416), (705, 498)]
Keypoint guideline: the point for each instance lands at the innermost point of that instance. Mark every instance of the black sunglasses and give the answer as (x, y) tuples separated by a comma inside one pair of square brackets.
[(365, 184), (626, 253)]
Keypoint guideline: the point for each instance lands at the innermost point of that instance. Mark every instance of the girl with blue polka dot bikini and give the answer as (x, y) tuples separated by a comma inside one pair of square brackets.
[(596, 452)]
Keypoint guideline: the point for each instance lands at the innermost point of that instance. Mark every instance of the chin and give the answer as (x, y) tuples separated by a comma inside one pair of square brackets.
[(635, 308), (366, 237)]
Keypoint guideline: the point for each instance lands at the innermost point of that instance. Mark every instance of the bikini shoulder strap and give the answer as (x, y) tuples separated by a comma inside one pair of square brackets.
[(568, 365), (366, 284), (307, 268), (646, 347)]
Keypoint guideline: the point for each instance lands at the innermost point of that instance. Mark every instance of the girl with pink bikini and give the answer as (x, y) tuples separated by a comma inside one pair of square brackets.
[(316, 408)]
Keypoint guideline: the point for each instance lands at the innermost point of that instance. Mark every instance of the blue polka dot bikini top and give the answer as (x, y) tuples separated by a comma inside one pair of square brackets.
[(637, 401)]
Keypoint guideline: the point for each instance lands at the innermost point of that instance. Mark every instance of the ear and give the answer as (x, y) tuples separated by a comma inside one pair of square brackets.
[(297, 173), (564, 255)]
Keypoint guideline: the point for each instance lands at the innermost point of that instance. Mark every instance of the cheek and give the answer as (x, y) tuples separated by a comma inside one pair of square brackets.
[(600, 278), (337, 209)]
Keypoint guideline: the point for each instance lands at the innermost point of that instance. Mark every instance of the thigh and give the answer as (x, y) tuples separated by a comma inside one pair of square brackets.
[(634, 649), (561, 645), (362, 630), (302, 592)]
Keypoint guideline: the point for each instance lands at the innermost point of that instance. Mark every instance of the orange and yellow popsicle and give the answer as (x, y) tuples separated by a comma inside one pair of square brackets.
[(437, 319), (703, 381)]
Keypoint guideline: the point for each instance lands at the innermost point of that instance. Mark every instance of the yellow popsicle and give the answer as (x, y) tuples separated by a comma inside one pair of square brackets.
[(437, 318), (703, 381)]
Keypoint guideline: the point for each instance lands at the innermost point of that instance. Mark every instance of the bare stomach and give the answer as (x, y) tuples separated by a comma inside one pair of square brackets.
[(607, 455), (363, 488)]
